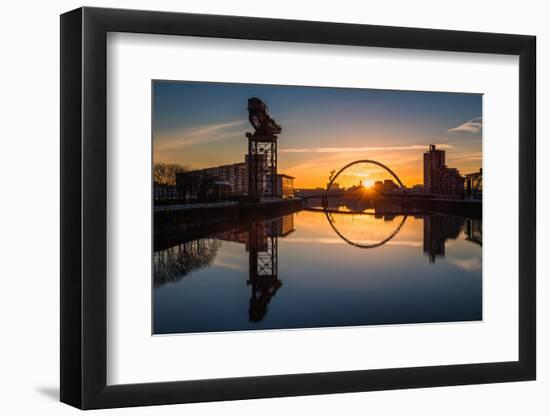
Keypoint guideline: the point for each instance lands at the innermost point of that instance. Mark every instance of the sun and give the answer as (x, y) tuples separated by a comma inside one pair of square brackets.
[(367, 183)]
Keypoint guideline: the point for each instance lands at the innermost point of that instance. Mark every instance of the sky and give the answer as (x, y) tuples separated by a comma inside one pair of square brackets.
[(199, 125)]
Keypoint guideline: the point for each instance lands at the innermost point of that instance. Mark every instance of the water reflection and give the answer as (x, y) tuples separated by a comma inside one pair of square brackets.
[(474, 231), (437, 230), (172, 264), (330, 218), (260, 239), (315, 267), (262, 267)]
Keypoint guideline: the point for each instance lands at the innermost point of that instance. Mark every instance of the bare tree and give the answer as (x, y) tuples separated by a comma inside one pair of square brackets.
[(165, 174)]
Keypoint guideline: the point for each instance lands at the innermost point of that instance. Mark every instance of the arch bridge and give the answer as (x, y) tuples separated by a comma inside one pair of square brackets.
[(363, 161)]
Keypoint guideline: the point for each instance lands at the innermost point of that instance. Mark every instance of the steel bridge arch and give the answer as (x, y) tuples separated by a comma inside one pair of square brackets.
[(364, 161), (363, 246)]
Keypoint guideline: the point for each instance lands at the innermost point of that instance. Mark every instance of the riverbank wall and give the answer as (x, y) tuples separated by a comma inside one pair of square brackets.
[(472, 209), (180, 223)]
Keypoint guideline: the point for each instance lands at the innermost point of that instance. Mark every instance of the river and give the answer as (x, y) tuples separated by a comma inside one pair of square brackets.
[(319, 268)]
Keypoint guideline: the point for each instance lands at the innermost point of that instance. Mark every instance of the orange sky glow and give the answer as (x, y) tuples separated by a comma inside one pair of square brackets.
[(202, 125)]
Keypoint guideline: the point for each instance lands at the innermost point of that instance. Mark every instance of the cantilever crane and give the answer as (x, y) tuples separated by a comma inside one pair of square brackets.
[(262, 151), (265, 127)]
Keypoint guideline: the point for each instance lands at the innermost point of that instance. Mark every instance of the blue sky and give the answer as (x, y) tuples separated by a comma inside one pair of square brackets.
[(204, 124)]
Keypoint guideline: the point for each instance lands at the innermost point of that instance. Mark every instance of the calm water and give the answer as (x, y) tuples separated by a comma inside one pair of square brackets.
[(318, 269)]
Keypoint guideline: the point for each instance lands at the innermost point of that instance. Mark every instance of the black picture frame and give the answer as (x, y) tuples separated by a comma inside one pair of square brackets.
[(84, 207)]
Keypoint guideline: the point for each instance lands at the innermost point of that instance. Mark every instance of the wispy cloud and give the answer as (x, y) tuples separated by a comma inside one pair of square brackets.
[(200, 134), (471, 126), (470, 265), (360, 149), (473, 156), (229, 265)]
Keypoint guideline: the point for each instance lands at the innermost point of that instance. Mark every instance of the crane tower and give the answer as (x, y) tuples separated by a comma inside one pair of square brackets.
[(262, 151)]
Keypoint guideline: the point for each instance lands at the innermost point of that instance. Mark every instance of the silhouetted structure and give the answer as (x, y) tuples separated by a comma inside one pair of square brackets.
[(262, 150), (226, 180), (201, 186), (234, 174), (284, 186), (165, 192), (386, 186), (333, 176), (474, 185), (256, 177), (438, 178)]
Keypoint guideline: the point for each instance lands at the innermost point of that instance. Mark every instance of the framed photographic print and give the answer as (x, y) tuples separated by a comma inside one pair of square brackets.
[(258, 208)]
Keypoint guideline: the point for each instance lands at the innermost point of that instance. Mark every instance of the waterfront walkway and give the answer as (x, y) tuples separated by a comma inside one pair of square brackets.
[(218, 204)]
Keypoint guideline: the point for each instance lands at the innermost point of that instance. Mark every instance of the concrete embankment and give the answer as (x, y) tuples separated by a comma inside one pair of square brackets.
[(181, 223), (463, 208)]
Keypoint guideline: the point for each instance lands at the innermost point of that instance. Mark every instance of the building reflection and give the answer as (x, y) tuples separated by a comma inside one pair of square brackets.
[(474, 231), (440, 228), (437, 229), (330, 215), (383, 208), (262, 248), (261, 242), (172, 264)]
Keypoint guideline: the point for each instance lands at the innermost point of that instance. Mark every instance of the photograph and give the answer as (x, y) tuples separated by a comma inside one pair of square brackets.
[(300, 207), (274, 204)]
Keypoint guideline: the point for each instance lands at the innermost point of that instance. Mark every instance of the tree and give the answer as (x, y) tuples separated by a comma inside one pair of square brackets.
[(165, 174)]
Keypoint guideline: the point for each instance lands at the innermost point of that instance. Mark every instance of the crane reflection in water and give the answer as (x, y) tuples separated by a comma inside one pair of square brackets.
[(286, 264)]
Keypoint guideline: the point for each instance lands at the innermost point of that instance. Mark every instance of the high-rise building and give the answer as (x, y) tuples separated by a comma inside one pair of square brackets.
[(434, 160), (438, 178), (198, 182), (236, 178)]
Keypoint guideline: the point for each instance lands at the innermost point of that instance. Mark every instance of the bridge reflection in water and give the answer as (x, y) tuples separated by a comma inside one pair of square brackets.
[(182, 303)]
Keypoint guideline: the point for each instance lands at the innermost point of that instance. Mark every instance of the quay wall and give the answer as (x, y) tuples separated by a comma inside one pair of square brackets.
[(180, 224)]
